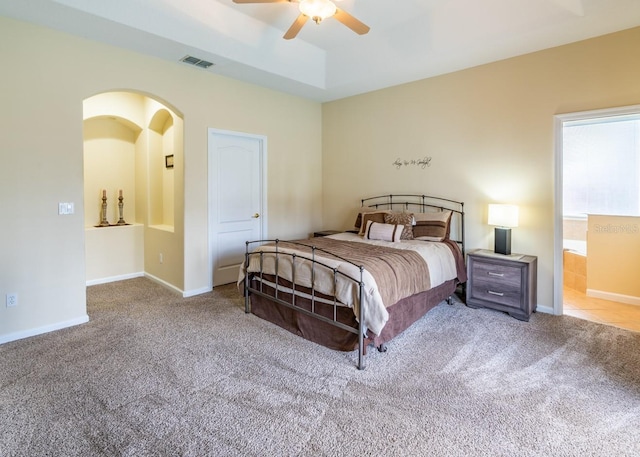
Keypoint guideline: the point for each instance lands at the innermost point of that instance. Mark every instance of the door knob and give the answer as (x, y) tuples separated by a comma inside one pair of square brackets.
[(255, 216)]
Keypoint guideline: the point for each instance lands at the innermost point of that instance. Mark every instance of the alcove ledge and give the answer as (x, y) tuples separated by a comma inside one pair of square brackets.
[(112, 226), (163, 227)]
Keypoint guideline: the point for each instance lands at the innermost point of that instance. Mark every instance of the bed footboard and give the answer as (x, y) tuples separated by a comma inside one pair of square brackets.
[(304, 300)]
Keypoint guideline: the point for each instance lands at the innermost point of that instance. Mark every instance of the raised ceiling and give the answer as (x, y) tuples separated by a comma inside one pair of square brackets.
[(409, 39)]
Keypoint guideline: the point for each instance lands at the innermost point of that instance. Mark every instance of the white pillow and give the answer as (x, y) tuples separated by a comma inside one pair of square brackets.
[(384, 232), (369, 215)]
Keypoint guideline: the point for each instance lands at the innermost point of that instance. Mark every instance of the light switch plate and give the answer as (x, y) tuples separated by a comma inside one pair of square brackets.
[(65, 208)]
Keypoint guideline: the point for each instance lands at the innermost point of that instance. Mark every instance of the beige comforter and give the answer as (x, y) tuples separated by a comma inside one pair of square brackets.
[(392, 270)]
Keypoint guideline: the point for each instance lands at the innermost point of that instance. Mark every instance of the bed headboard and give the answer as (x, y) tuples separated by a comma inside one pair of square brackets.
[(421, 204)]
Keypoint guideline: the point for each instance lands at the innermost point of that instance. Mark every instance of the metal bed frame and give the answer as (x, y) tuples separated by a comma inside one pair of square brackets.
[(405, 202)]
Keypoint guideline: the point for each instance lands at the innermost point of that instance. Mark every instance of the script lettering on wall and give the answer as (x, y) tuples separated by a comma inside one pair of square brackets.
[(421, 163)]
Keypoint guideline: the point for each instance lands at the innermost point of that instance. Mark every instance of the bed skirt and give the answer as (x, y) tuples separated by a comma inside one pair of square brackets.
[(401, 316)]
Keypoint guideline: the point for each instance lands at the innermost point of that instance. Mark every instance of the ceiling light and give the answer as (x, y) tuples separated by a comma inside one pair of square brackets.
[(317, 9)]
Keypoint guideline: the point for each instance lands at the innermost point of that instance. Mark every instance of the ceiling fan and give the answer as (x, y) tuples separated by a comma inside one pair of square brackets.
[(317, 10)]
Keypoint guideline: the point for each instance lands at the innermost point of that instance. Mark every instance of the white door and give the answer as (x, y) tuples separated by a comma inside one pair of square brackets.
[(236, 199)]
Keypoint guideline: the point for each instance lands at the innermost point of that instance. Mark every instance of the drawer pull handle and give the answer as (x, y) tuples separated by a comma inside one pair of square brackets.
[(499, 294), (491, 273)]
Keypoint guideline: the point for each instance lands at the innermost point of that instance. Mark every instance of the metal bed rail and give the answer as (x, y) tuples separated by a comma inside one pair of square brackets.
[(315, 263)]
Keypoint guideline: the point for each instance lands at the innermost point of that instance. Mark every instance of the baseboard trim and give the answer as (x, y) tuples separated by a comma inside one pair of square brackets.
[(184, 293), (194, 292), (162, 282), (140, 274), (108, 279), (544, 309), (628, 299), (45, 329)]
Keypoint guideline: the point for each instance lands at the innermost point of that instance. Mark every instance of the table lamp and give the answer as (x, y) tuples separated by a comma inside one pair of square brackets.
[(503, 217)]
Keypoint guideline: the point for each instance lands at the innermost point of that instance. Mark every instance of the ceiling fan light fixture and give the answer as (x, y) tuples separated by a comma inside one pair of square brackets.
[(318, 10)]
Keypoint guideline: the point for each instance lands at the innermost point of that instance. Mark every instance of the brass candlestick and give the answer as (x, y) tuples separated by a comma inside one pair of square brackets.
[(120, 208), (104, 222)]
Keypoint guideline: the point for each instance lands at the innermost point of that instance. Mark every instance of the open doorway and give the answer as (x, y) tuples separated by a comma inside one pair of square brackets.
[(598, 216)]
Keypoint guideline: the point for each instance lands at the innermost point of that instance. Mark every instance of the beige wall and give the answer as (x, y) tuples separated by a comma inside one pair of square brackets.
[(489, 131), (613, 247), (41, 130)]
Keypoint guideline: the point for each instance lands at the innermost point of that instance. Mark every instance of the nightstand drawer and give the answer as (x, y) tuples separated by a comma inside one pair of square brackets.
[(505, 294), (505, 275)]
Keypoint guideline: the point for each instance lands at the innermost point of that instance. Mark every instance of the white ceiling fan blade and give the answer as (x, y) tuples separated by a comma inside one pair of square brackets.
[(296, 26), (354, 24)]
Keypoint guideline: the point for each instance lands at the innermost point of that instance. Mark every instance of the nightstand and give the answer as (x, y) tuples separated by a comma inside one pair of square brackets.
[(502, 282), (325, 233)]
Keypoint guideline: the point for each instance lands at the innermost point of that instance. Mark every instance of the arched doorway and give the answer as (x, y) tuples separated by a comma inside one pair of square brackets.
[(133, 164)]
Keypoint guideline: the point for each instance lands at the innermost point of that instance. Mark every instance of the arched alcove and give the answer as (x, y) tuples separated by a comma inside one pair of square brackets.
[(161, 170), (109, 167), (130, 148)]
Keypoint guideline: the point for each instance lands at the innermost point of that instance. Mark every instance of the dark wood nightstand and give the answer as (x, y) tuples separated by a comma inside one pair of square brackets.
[(325, 233), (502, 282)]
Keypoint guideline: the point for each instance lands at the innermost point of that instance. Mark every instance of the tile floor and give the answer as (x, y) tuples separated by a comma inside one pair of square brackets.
[(621, 315)]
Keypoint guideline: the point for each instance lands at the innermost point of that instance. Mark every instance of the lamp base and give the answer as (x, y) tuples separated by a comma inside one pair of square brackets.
[(502, 241)]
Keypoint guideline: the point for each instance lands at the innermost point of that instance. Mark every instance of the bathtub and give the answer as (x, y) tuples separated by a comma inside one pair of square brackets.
[(577, 246), (574, 257)]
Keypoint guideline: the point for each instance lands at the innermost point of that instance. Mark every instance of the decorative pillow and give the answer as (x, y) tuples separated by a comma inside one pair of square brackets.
[(405, 219), (428, 238), (384, 232), (374, 216), (434, 226)]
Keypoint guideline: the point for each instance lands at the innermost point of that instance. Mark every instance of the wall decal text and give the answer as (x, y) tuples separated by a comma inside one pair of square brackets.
[(422, 163)]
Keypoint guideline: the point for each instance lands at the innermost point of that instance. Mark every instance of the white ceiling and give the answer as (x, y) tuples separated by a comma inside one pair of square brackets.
[(409, 39)]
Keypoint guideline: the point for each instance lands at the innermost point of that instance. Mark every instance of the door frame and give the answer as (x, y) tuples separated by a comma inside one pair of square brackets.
[(559, 120), (212, 202)]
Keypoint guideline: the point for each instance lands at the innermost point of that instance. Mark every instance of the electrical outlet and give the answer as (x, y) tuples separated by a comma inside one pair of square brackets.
[(12, 300), (161, 258)]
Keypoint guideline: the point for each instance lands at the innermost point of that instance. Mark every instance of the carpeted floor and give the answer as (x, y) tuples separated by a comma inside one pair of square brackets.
[(153, 374)]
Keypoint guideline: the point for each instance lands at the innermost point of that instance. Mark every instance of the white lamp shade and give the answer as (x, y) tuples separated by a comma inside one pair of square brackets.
[(503, 215)]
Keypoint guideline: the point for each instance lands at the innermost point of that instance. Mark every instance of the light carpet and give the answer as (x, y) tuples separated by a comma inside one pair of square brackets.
[(154, 374)]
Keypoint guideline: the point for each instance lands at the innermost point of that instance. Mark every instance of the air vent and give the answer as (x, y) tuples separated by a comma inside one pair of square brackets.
[(195, 61)]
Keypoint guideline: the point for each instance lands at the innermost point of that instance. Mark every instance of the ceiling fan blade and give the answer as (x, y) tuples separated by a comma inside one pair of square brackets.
[(260, 1), (354, 24), (295, 27)]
